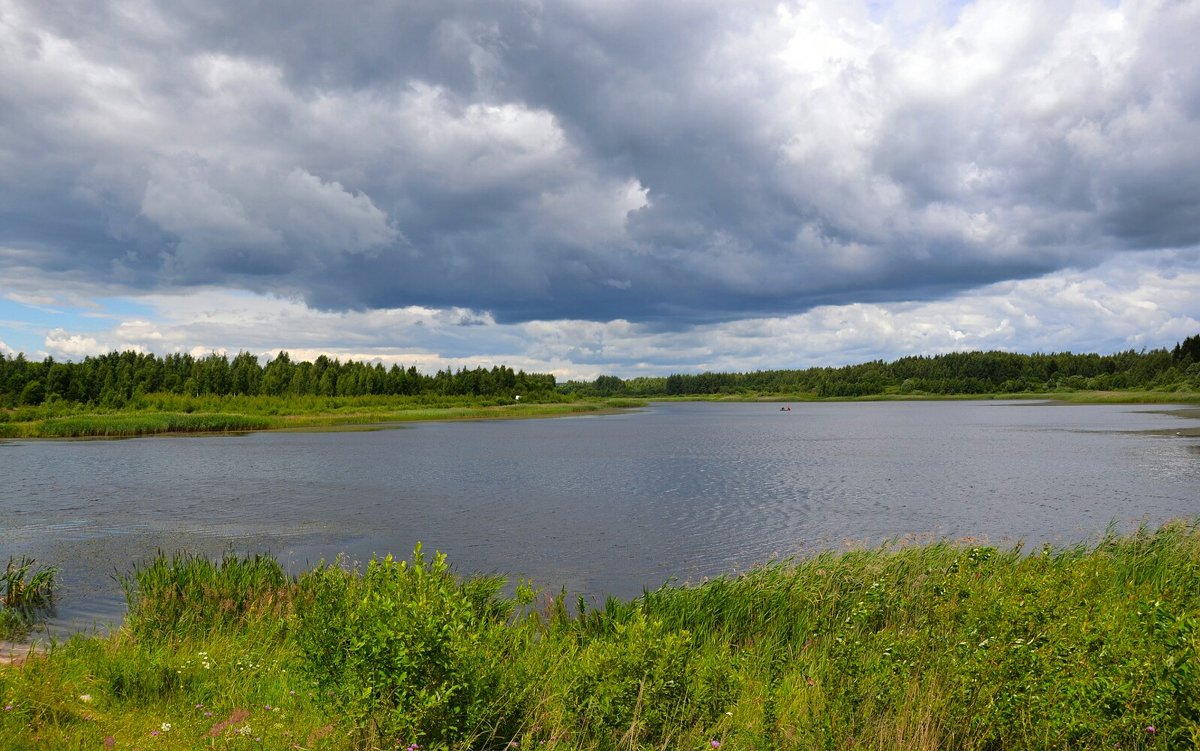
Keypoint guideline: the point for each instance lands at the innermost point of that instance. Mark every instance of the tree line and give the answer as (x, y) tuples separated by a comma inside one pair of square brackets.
[(116, 378), (954, 373)]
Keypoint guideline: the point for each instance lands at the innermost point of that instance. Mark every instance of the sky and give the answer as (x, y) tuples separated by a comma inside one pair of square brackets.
[(626, 187)]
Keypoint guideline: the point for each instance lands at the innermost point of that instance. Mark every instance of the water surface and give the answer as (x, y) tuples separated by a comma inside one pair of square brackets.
[(599, 504)]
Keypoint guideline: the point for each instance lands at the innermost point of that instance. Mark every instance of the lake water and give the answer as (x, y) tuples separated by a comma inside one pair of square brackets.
[(599, 504)]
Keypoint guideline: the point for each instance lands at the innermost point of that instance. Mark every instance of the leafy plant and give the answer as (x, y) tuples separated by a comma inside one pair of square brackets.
[(401, 649)]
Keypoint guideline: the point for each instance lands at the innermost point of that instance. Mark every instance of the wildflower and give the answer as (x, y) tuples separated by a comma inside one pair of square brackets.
[(85, 698), (716, 744), (165, 727), (154, 732), (7, 707), (1151, 729)]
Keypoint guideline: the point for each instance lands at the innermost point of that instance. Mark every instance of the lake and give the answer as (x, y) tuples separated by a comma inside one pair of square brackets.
[(605, 504)]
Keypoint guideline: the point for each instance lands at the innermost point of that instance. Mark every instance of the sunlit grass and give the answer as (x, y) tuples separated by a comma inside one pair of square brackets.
[(937, 646), (243, 414)]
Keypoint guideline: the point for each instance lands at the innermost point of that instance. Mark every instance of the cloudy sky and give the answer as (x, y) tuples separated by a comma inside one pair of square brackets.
[(598, 186)]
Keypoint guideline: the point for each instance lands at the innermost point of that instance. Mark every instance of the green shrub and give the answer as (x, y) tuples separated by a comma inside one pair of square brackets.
[(404, 651)]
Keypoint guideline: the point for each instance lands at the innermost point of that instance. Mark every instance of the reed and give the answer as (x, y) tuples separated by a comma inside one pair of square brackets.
[(28, 594), (173, 598), (171, 414)]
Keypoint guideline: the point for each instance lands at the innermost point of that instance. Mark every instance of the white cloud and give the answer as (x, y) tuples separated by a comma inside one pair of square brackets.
[(75, 346), (1150, 302)]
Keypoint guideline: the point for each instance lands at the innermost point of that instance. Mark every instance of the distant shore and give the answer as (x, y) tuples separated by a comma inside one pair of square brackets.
[(208, 416), (151, 422)]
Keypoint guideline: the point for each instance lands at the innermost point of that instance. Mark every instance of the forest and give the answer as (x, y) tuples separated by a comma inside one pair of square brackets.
[(116, 379), (956, 373)]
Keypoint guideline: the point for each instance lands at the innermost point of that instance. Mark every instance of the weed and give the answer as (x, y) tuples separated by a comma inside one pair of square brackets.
[(28, 594)]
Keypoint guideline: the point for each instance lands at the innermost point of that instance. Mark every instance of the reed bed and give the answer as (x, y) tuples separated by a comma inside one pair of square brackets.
[(243, 414), (938, 646)]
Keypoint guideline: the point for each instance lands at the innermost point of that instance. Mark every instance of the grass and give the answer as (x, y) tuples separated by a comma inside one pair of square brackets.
[(161, 414), (938, 646), (27, 594), (170, 414)]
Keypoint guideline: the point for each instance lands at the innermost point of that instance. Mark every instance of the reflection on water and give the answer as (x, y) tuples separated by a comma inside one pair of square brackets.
[(599, 504)]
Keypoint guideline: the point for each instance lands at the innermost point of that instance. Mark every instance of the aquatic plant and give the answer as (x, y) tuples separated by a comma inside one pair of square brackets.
[(170, 598), (28, 594)]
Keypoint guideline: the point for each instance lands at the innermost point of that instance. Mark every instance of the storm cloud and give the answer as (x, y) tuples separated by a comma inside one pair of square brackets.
[(665, 164)]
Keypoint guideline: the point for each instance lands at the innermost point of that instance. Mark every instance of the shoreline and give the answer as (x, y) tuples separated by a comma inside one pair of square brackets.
[(140, 423), (823, 651), (153, 423)]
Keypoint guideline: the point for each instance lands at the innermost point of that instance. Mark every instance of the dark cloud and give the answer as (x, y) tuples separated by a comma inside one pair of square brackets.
[(658, 162)]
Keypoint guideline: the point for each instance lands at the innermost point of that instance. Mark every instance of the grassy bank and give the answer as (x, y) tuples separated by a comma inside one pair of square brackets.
[(180, 415), (161, 414), (932, 647)]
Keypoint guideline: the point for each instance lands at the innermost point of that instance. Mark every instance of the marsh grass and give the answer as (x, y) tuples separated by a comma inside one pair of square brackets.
[(28, 594), (171, 414), (171, 599), (938, 646)]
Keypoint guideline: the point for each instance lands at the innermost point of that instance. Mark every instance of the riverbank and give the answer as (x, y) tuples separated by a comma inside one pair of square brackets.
[(938, 646), (175, 415), (243, 415)]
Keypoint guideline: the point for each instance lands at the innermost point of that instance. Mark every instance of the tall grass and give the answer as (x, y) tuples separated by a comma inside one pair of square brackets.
[(939, 646), (27, 594), (175, 414), (171, 599), (128, 425)]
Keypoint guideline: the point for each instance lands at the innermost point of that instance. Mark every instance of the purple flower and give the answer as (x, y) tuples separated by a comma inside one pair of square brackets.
[(716, 744), (1151, 730)]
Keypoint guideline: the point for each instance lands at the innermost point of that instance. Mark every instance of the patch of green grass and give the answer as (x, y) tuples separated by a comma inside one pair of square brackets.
[(128, 425), (171, 599), (938, 646), (242, 414)]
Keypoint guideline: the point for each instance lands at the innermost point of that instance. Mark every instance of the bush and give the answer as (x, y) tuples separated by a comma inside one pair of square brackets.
[(404, 651)]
